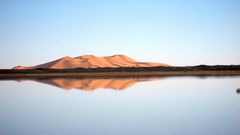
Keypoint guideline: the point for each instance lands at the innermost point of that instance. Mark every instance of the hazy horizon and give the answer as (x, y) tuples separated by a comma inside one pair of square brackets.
[(187, 32)]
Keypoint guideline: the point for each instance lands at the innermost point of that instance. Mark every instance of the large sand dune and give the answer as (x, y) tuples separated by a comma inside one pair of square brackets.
[(91, 61)]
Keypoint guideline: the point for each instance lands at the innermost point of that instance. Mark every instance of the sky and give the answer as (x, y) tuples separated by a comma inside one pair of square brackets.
[(176, 32)]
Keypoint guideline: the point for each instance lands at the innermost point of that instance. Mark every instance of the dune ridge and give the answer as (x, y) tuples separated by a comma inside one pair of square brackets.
[(91, 61)]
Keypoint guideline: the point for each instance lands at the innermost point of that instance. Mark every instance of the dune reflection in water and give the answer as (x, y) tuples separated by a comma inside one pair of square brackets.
[(90, 84)]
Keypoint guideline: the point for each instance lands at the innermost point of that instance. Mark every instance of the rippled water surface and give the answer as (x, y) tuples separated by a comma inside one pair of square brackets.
[(120, 106)]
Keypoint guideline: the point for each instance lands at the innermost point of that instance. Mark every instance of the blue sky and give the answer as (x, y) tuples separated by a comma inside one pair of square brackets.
[(177, 32)]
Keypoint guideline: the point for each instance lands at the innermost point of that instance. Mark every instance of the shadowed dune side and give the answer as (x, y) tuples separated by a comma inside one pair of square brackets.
[(91, 84)]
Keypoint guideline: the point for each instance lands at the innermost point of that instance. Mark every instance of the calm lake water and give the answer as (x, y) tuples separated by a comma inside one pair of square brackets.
[(121, 106)]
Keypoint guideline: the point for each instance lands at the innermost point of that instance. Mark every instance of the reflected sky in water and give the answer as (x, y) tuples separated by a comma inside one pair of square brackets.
[(141, 106)]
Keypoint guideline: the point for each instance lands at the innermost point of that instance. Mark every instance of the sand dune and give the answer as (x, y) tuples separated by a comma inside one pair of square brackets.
[(90, 84), (91, 61)]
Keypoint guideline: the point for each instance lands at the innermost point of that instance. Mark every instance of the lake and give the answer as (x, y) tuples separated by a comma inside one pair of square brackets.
[(121, 106)]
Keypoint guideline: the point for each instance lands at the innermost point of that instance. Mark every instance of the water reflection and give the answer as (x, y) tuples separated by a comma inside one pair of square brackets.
[(206, 106), (90, 84)]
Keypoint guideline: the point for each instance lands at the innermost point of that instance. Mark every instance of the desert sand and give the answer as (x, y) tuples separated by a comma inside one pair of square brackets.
[(91, 61)]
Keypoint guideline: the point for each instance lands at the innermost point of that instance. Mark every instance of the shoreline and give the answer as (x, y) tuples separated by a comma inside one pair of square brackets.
[(124, 74)]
